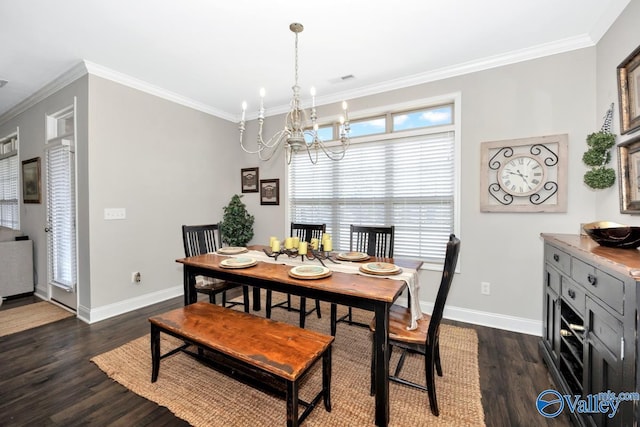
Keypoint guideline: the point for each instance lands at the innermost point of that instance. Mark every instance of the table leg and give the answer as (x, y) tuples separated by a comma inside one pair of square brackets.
[(256, 298), (382, 364), (189, 283)]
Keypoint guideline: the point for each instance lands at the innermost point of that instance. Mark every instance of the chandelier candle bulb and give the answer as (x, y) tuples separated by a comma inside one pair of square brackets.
[(313, 97), (244, 110)]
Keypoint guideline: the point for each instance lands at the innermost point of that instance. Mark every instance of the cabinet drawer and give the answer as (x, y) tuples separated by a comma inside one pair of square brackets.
[(573, 294), (557, 258), (605, 287)]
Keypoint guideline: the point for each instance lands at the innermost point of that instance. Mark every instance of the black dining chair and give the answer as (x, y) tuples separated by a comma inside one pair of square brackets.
[(305, 232), (374, 241), (425, 339), (202, 239)]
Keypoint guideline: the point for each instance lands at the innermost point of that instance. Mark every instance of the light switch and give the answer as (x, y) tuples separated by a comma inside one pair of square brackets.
[(115, 213)]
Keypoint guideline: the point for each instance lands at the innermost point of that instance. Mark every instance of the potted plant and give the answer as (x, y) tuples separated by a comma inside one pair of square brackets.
[(237, 223), (598, 156)]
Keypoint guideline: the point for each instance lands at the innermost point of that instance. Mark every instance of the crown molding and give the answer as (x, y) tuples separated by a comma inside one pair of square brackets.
[(126, 80), (69, 76), (513, 57), (87, 67)]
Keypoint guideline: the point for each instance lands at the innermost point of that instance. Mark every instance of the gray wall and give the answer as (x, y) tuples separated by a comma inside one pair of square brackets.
[(621, 39), (168, 165)]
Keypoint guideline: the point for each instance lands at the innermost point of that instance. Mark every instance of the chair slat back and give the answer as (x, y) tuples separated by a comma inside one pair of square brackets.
[(450, 261), (373, 240), (201, 239), (306, 232)]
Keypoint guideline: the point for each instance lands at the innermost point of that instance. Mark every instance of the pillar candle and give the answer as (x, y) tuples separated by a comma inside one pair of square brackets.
[(275, 246), (314, 243), (302, 249), (327, 245), (296, 242), (271, 239), (288, 243)]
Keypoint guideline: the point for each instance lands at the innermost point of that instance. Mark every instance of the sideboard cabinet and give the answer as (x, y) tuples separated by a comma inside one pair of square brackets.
[(590, 337)]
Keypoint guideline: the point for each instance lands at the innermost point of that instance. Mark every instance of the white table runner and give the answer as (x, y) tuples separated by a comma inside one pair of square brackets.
[(408, 275)]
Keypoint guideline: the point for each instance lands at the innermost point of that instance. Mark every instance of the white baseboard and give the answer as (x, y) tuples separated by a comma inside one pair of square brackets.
[(121, 307), (482, 318), (485, 318)]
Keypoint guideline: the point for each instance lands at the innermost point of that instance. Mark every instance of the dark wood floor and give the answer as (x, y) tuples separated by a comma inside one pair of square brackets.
[(46, 378)]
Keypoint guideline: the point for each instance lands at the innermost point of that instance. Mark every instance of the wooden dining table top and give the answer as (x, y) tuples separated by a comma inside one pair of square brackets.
[(372, 288)]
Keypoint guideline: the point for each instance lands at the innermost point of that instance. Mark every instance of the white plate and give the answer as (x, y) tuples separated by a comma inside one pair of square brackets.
[(309, 272), (232, 250), (353, 256), (238, 262), (381, 268)]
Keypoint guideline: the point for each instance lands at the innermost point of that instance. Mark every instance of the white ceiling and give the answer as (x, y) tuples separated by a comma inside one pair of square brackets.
[(214, 54)]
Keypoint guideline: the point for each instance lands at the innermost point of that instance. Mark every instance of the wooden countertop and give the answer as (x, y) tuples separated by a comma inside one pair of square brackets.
[(625, 261)]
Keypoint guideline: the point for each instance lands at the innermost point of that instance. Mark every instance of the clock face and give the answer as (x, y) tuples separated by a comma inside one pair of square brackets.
[(521, 175)]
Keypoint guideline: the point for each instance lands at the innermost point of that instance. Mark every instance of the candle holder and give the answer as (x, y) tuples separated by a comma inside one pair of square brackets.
[(321, 255), (291, 253)]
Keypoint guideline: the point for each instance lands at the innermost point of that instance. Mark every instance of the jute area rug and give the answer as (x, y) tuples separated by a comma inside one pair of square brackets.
[(30, 316), (203, 397)]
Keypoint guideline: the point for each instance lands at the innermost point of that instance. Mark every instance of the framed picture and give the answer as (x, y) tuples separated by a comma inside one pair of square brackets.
[(250, 179), (629, 162), (31, 180), (629, 92), (270, 192)]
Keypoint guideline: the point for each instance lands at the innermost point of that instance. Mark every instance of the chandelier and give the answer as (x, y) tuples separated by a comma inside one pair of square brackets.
[(300, 132)]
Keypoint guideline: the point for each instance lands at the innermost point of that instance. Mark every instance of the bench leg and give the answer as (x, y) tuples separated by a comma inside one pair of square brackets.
[(268, 304), (326, 378), (292, 404), (155, 352)]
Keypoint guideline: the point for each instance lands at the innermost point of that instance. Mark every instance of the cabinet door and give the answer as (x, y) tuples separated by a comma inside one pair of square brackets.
[(551, 306), (603, 368)]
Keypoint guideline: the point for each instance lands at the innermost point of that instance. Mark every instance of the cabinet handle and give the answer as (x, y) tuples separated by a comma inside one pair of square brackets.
[(556, 257), (572, 293), (592, 279)]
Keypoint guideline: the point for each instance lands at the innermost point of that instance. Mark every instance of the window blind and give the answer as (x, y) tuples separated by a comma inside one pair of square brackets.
[(407, 182), (9, 190), (61, 212)]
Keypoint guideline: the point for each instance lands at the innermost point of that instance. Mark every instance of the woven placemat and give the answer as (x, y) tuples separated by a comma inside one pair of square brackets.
[(204, 397)]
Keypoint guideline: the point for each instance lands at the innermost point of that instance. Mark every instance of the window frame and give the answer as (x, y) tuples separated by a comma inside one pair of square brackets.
[(9, 150), (455, 99)]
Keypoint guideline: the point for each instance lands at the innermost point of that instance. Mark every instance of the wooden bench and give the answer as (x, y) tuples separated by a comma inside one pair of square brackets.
[(267, 354)]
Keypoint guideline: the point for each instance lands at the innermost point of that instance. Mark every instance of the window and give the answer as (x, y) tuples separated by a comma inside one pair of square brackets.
[(9, 182), (61, 196), (403, 178)]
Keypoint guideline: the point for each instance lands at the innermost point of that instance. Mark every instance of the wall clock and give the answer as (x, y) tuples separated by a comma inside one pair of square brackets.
[(524, 175)]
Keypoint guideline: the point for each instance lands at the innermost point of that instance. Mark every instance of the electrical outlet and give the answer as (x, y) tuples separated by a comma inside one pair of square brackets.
[(485, 288), (136, 278), (115, 213)]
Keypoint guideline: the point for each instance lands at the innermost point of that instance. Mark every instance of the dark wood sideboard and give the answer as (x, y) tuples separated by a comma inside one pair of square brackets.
[(591, 321)]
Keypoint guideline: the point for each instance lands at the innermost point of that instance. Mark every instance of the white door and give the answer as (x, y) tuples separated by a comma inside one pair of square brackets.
[(61, 208)]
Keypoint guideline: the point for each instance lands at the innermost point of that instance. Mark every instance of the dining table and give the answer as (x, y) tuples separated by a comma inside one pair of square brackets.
[(364, 291)]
